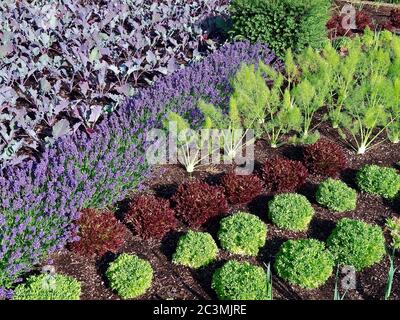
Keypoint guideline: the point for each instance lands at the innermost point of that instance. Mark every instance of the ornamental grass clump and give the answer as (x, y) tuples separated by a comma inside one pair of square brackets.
[(290, 211), (304, 262), (241, 189), (336, 195), (240, 281), (150, 217), (48, 287), (196, 202), (283, 175), (195, 250), (130, 276), (356, 243), (324, 157), (242, 233), (99, 232), (377, 180)]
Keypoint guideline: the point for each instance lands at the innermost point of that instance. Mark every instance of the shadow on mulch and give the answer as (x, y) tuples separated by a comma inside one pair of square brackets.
[(169, 243), (204, 277), (270, 249), (320, 229), (293, 152), (348, 176), (166, 191), (102, 265), (259, 206)]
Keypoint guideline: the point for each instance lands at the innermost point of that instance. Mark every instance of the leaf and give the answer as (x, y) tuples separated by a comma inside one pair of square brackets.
[(61, 128), (94, 55)]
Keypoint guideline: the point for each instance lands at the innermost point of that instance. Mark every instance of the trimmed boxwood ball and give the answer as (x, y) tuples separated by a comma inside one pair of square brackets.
[(242, 233), (48, 287), (336, 195), (290, 211), (304, 262), (130, 276), (240, 281), (382, 181), (195, 250), (356, 243)]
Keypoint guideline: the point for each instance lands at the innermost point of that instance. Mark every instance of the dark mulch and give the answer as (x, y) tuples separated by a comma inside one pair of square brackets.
[(175, 282)]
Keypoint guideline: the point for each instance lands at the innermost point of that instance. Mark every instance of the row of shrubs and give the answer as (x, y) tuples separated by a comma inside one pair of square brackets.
[(196, 202), (305, 262)]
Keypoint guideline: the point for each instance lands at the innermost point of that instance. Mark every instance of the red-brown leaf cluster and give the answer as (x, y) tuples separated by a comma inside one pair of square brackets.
[(324, 157), (150, 217), (335, 28), (240, 189), (99, 232), (196, 202), (283, 175)]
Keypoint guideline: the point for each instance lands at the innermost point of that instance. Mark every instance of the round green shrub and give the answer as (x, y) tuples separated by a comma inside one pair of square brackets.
[(290, 211), (195, 250), (381, 181), (356, 243), (336, 195), (240, 281), (48, 287), (242, 233), (130, 276), (304, 262)]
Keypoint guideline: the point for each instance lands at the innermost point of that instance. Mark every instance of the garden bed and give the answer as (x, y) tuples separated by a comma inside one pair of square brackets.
[(178, 282)]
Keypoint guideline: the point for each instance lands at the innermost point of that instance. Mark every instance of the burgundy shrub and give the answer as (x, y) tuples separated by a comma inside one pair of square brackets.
[(150, 217), (99, 232), (241, 188), (283, 175), (324, 157), (395, 18), (364, 20), (196, 202)]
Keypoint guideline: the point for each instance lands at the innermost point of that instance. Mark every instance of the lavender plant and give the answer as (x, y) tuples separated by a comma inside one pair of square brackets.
[(40, 199), (78, 60)]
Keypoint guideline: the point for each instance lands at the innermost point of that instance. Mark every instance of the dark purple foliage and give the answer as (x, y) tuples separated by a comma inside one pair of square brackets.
[(65, 63), (39, 201)]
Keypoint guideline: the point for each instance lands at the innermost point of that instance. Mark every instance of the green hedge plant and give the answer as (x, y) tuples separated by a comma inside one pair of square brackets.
[(195, 250), (290, 211), (242, 233), (304, 262), (336, 196), (282, 24), (241, 281), (48, 287), (356, 243), (130, 276), (377, 180)]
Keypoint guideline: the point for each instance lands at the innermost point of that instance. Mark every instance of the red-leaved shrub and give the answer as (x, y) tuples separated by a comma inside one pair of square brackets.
[(335, 28), (150, 217), (395, 18), (196, 202), (241, 188), (99, 232), (324, 157), (283, 175)]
